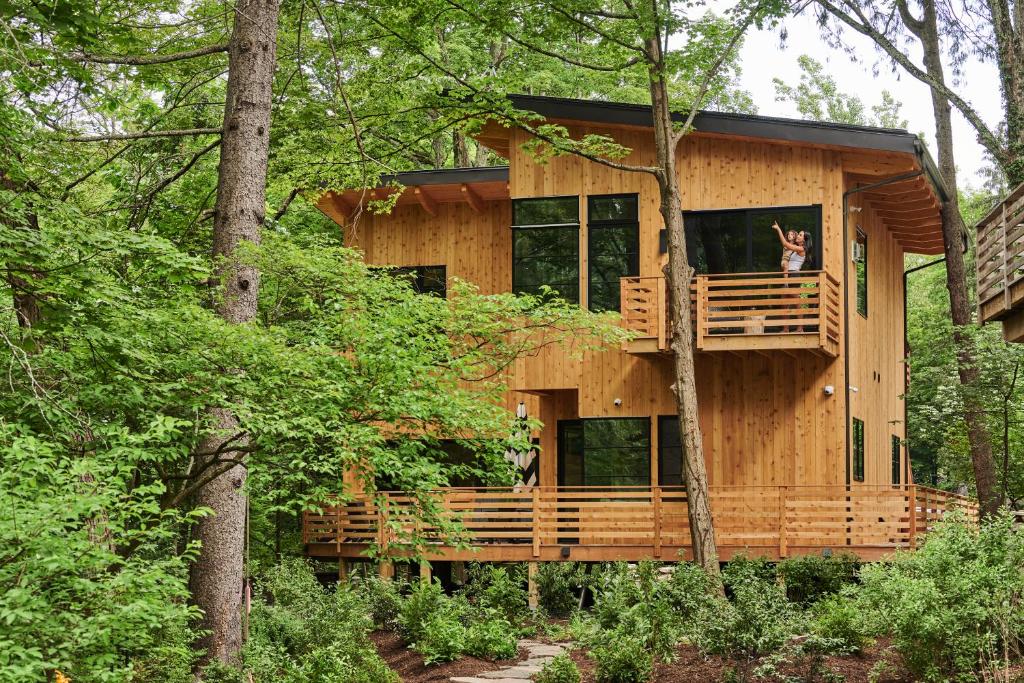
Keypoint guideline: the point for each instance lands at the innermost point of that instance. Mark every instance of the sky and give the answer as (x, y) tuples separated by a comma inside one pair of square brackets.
[(764, 57)]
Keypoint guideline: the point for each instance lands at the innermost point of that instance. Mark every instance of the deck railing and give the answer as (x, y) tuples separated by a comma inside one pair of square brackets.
[(633, 522), (741, 311), (1000, 259)]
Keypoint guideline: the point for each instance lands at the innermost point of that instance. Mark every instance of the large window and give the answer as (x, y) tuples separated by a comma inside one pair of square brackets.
[(858, 449), (608, 452), (670, 451), (426, 279), (897, 469), (546, 246), (614, 250), (860, 260), (742, 241)]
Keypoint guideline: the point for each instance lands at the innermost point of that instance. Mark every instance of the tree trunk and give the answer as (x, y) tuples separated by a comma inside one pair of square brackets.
[(20, 278), (926, 30), (1009, 39), (217, 576), (460, 149), (678, 274)]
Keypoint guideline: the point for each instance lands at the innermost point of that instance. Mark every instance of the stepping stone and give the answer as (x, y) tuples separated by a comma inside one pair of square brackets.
[(520, 672), (546, 651), (475, 679)]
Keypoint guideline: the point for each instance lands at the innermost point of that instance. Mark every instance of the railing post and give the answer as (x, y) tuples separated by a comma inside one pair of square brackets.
[(700, 310), (912, 508), (656, 501), (536, 520), (822, 309), (783, 548), (662, 318)]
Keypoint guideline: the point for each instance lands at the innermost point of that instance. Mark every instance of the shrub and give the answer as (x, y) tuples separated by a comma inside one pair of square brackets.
[(837, 619), (383, 599), (811, 577), (299, 633), (560, 669), (633, 601), (424, 601), (559, 584), (491, 638), (622, 659), (499, 588), (688, 590), (443, 637), (954, 604)]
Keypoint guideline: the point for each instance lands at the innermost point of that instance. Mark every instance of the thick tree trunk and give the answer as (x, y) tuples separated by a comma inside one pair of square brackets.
[(678, 274), (20, 278), (461, 150), (217, 576), (1009, 38), (926, 30)]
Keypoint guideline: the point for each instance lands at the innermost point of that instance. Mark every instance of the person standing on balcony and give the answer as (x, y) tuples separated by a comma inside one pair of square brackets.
[(793, 255)]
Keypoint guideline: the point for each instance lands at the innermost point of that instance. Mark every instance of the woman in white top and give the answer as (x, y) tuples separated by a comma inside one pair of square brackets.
[(793, 255)]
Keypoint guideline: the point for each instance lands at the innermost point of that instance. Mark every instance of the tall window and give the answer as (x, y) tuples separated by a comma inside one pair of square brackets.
[(546, 246), (614, 250), (607, 452), (860, 259), (897, 470), (426, 279), (858, 449), (742, 241), (670, 451)]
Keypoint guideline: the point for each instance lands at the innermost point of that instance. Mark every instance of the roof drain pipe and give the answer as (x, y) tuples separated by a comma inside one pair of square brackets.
[(846, 296)]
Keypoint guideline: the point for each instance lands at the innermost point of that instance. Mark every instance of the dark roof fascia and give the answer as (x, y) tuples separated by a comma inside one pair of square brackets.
[(748, 125), (932, 171), (448, 176)]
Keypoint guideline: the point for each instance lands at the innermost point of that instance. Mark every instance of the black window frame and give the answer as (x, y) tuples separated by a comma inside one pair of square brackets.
[(857, 448), (748, 214), (516, 287), (860, 267), (561, 425), (664, 452), (897, 461), (417, 277), (609, 224)]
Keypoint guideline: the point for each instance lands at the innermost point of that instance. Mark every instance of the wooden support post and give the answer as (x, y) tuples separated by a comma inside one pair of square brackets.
[(472, 198), (656, 500), (783, 547), (342, 570), (424, 571), (533, 595), (662, 318), (459, 573), (822, 309), (912, 509), (386, 570), (536, 521), (428, 203), (701, 311)]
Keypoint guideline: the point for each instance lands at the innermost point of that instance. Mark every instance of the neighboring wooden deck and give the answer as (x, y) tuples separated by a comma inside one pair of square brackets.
[(593, 524), (1000, 266), (739, 312)]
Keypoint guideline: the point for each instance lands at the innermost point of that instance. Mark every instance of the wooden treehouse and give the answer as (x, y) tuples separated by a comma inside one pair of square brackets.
[(800, 377), (1000, 264)]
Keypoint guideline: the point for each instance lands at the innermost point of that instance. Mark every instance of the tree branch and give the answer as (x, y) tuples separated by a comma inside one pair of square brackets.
[(146, 134), (146, 60)]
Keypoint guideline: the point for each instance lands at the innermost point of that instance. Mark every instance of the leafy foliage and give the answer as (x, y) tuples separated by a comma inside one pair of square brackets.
[(808, 578), (559, 669)]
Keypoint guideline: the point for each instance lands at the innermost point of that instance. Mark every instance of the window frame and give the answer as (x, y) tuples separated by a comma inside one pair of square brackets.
[(897, 461), (605, 224), (857, 449), (562, 424), (661, 450), (546, 226), (748, 212), (862, 306), (418, 277)]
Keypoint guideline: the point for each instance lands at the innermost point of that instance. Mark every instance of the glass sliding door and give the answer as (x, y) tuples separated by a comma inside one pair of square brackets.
[(743, 241), (604, 452)]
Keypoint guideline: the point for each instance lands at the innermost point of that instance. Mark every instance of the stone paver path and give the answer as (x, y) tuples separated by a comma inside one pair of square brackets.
[(537, 655)]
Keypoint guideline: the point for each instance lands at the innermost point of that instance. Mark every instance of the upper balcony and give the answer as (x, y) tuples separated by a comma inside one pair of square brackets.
[(1001, 266), (739, 312)]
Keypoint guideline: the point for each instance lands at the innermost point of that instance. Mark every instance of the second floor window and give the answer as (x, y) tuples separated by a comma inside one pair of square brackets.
[(425, 279), (614, 250), (860, 261), (546, 246)]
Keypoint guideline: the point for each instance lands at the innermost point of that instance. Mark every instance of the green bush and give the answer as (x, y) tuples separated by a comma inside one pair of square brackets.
[(836, 618), (560, 669), (499, 588), (622, 659), (383, 599), (633, 600), (756, 620), (491, 638), (425, 600), (299, 633), (689, 590), (953, 605), (443, 638), (559, 584), (809, 578)]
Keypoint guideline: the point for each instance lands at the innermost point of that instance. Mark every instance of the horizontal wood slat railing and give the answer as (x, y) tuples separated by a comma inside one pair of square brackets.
[(1000, 258), (737, 311), (638, 522)]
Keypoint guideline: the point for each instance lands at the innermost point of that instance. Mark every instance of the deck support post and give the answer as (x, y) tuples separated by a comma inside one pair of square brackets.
[(536, 521), (459, 573), (386, 570), (424, 571), (342, 571), (533, 595)]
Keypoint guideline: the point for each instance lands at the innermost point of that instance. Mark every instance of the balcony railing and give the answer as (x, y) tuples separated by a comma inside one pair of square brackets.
[(739, 312), (630, 523), (1001, 259)]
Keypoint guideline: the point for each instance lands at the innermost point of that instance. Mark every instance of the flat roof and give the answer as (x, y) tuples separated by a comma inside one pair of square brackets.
[(445, 176)]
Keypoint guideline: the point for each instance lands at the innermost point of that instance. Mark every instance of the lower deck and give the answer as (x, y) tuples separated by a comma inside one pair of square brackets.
[(627, 523)]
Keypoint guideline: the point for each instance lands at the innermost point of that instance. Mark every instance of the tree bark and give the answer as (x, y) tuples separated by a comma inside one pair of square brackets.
[(21, 278), (460, 149), (678, 275), (1009, 43), (926, 31), (217, 576)]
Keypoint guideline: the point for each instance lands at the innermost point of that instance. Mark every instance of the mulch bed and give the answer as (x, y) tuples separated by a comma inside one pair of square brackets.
[(409, 665), (692, 667)]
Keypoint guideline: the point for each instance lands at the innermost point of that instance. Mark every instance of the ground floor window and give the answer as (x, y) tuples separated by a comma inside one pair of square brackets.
[(858, 449), (610, 452), (670, 451), (897, 470)]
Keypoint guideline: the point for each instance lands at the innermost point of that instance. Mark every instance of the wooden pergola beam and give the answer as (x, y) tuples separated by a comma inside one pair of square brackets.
[(472, 198), (428, 203)]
